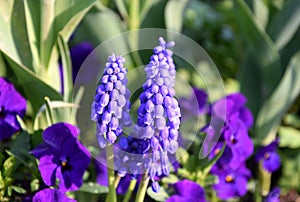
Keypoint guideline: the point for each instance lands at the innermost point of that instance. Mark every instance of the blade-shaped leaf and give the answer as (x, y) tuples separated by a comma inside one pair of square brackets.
[(272, 111), (174, 14), (13, 34), (262, 52), (285, 23), (35, 89), (261, 13)]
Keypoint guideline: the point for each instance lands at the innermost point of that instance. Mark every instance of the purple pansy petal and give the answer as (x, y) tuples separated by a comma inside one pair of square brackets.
[(273, 195), (11, 104), (64, 130), (269, 157), (40, 150), (48, 169), (52, 195), (272, 163), (189, 189), (176, 198), (246, 117)]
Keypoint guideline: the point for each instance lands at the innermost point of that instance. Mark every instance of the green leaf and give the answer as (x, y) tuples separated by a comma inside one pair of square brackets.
[(261, 13), (289, 137), (2, 66), (261, 50), (273, 110), (19, 190), (8, 167), (93, 188), (14, 40), (174, 13), (155, 15), (105, 24), (21, 145), (61, 111), (35, 90), (67, 68), (285, 23), (162, 195)]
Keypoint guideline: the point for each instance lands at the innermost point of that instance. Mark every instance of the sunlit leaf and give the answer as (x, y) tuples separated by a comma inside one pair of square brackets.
[(289, 137), (262, 53), (174, 13), (285, 24), (273, 110)]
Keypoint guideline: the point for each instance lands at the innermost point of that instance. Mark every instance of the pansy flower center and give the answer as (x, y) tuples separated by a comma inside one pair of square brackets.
[(65, 165), (2, 112), (267, 155), (217, 151), (229, 178), (233, 139)]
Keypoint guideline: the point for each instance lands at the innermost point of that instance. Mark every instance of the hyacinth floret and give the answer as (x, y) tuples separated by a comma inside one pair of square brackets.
[(159, 112), (110, 109)]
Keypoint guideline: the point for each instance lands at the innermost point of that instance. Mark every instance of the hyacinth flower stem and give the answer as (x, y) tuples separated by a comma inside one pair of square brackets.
[(111, 196), (142, 188), (265, 180), (130, 190), (117, 180)]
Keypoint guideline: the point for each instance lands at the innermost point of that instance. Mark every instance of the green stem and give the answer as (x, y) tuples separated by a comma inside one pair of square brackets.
[(265, 180), (111, 196), (142, 188), (130, 190), (117, 180), (134, 24)]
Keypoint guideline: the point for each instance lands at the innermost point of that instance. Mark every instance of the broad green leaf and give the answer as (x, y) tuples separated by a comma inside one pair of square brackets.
[(104, 25), (35, 90), (285, 23), (20, 146), (32, 17), (162, 195), (174, 13), (289, 137), (13, 34), (273, 110), (261, 13), (262, 52), (155, 15), (93, 188)]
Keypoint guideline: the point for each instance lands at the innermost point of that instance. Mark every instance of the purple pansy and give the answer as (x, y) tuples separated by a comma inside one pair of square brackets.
[(274, 195), (187, 190), (197, 98), (11, 104), (234, 133), (269, 157), (232, 183), (53, 195), (62, 156)]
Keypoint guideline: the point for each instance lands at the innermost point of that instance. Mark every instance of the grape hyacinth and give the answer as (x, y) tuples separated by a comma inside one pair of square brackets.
[(111, 105), (159, 112)]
